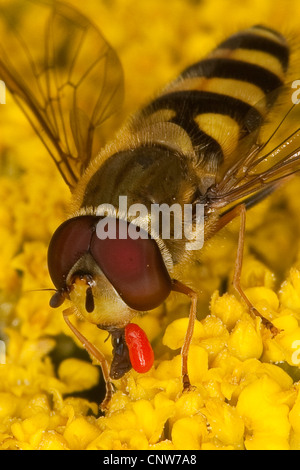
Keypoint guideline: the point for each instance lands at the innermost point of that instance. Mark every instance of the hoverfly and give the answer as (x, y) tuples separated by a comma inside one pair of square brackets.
[(200, 141)]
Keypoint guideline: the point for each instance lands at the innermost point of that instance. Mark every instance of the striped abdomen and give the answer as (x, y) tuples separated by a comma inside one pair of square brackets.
[(203, 115), (226, 96)]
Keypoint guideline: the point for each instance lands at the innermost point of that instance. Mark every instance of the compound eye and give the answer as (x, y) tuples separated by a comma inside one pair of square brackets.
[(69, 242), (134, 267)]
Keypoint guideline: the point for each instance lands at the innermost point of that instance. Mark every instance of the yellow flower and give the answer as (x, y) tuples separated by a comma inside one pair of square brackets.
[(227, 308), (225, 423), (245, 340), (290, 291), (189, 433), (267, 425), (80, 432), (77, 375)]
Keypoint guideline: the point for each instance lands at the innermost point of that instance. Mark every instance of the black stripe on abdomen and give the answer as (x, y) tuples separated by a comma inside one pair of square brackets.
[(246, 40), (235, 70), (187, 104)]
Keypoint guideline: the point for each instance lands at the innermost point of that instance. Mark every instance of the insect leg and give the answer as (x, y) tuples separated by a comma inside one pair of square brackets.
[(98, 355), (177, 286), (240, 211)]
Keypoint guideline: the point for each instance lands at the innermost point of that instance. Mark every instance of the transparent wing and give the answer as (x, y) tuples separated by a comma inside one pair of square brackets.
[(64, 76), (262, 160)]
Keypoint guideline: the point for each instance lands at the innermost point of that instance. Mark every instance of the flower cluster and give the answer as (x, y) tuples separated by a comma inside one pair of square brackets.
[(245, 382)]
